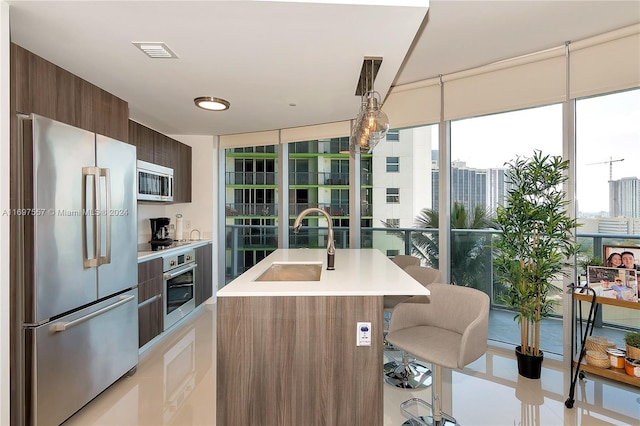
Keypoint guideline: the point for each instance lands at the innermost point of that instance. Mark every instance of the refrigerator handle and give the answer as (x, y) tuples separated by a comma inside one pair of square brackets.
[(64, 326), (106, 259), (90, 262)]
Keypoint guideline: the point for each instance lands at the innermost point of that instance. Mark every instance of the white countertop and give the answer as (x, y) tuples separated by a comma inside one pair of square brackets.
[(144, 256), (359, 272)]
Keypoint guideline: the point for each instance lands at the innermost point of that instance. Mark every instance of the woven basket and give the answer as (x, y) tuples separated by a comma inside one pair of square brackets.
[(599, 344), (597, 359), (633, 352)]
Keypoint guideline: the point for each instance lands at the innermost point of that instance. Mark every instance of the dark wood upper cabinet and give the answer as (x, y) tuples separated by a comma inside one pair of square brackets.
[(143, 138), (185, 168), (154, 147), (43, 88), (113, 117), (20, 93)]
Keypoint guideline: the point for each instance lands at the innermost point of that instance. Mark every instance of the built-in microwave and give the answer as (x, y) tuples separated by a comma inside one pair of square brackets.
[(155, 182)]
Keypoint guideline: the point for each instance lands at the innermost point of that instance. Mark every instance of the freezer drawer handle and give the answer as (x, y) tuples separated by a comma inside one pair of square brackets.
[(64, 326)]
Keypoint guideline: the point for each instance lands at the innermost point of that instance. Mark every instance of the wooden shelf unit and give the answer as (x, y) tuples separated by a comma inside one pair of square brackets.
[(617, 374)]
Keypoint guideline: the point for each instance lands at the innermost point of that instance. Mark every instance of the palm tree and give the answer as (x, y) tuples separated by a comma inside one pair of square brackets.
[(469, 251)]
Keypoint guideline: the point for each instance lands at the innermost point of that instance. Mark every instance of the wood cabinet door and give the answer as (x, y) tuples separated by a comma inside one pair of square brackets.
[(183, 187), (149, 270), (150, 321), (43, 88), (204, 275), (143, 138), (166, 151), (110, 115), (150, 299)]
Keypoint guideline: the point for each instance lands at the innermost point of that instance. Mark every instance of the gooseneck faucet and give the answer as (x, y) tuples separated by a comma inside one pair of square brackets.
[(331, 247)]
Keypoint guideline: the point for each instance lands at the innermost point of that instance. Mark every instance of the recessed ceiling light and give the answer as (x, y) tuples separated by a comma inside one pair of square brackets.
[(211, 103)]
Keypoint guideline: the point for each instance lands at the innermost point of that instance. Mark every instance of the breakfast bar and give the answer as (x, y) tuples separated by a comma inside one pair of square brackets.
[(287, 351)]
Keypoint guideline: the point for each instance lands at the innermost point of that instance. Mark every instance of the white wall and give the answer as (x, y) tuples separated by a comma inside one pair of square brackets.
[(4, 219)]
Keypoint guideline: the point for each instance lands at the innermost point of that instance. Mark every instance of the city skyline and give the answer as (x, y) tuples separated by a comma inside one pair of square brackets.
[(614, 117)]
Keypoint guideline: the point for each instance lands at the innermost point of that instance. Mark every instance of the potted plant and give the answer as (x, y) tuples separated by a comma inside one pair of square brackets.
[(632, 340), (534, 247)]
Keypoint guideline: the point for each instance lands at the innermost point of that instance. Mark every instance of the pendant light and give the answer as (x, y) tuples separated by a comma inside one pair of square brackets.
[(371, 123)]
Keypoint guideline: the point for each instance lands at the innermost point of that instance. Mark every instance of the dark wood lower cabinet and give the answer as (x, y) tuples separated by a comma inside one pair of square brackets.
[(150, 300), (150, 322), (204, 276)]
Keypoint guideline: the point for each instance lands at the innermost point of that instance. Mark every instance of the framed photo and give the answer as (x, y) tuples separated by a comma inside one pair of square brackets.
[(613, 283), (621, 256)]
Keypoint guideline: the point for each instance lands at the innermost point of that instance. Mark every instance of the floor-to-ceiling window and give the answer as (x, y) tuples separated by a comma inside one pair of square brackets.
[(319, 177), (608, 190), (400, 194), (480, 147), (251, 206)]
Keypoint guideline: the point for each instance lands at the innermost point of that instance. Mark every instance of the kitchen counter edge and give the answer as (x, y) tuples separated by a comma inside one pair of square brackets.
[(359, 272), (145, 256)]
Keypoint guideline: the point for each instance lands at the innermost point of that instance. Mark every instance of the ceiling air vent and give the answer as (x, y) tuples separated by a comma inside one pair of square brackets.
[(155, 50)]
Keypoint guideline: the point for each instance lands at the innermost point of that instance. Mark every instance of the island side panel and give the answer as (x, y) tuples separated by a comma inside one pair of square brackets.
[(294, 361)]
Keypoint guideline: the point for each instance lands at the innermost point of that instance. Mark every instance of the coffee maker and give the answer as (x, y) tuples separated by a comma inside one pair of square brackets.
[(160, 233)]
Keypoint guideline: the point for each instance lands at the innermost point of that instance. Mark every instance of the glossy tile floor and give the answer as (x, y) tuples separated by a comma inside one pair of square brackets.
[(175, 385)]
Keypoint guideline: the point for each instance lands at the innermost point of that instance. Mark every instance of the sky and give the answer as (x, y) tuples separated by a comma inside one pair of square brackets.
[(607, 127)]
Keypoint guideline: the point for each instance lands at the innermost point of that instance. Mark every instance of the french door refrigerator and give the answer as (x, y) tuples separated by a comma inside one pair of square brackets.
[(76, 296)]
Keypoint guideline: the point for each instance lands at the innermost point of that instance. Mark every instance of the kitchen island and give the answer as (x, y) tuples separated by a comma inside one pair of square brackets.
[(286, 350)]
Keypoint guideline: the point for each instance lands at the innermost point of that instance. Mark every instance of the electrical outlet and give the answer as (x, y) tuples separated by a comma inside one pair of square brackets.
[(363, 334), (187, 224)]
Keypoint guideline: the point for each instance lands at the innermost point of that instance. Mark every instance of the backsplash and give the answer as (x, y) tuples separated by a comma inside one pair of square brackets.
[(191, 222)]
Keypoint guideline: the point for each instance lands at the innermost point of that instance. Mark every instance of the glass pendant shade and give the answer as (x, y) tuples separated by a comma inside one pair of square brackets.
[(371, 125)]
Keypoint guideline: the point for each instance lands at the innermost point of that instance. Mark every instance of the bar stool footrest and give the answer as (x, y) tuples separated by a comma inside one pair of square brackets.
[(416, 419)]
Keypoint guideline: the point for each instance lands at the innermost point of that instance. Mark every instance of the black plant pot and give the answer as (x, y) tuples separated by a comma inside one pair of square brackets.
[(529, 366)]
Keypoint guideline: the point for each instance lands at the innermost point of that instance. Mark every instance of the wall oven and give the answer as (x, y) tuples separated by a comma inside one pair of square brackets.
[(179, 285), (155, 183)]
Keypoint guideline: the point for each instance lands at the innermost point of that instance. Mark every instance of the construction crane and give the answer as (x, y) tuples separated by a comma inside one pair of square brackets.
[(610, 163)]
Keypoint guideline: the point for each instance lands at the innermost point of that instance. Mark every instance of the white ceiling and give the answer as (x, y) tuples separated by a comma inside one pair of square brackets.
[(266, 56)]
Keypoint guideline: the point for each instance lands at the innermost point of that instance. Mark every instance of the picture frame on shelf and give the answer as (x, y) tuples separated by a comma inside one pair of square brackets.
[(608, 250), (613, 283)]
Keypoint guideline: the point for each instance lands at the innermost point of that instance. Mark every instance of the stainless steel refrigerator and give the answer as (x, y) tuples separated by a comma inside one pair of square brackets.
[(75, 290)]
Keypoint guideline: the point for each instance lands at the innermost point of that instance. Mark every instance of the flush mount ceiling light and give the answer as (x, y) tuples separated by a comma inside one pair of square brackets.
[(211, 104), (371, 124)]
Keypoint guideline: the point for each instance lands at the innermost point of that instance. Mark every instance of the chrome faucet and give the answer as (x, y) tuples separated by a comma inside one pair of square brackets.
[(331, 247)]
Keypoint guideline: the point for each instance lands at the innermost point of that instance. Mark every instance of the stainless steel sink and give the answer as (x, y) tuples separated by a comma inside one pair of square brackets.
[(292, 271)]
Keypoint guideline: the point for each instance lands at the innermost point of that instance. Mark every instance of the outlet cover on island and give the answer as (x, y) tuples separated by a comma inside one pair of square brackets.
[(363, 334)]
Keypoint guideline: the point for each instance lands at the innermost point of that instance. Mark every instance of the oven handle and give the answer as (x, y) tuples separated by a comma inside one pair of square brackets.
[(182, 270)]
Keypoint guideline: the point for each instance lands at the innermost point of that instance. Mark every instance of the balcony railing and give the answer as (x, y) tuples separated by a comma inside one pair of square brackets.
[(318, 178), (251, 209), (251, 178), (334, 209)]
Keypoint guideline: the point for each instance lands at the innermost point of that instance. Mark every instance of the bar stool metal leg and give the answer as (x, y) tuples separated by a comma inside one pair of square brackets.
[(437, 417), (407, 374)]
